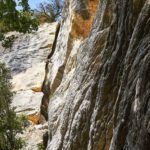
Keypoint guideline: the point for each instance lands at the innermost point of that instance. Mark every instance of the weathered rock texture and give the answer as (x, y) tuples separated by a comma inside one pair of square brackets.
[(98, 79), (27, 59), (77, 22)]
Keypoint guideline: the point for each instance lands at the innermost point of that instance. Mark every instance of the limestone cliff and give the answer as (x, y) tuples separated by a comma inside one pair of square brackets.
[(96, 89), (26, 60), (97, 81)]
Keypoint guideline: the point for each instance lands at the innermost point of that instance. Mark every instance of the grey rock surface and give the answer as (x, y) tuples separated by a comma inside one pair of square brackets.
[(102, 100)]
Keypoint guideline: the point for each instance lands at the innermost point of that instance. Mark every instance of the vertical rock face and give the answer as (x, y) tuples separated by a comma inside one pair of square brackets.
[(26, 60), (75, 27), (98, 79)]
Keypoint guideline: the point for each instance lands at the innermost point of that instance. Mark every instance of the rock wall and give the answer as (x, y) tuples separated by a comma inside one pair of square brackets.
[(97, 80), (74, 29), (26, 60)]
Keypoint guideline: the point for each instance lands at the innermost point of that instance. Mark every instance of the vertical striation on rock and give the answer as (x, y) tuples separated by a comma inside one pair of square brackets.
[(99, 77), (74, 28)]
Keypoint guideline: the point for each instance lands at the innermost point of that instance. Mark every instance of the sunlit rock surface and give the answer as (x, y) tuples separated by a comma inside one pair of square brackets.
[(26, 60), (97, 78), (33, 136)]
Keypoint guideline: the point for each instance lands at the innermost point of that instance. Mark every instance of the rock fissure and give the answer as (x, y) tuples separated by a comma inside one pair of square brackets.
[(110, 59), (96, 90)]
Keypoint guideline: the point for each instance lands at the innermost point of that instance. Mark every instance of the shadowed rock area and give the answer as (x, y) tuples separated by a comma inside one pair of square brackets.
[(98, 83)]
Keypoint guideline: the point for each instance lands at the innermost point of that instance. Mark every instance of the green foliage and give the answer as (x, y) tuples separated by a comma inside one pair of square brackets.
[(7, 42), (8, 16), (24, 4), (40, 146), (27, 22), (10, 126), (23, 120), (2, 37), (12, 19)]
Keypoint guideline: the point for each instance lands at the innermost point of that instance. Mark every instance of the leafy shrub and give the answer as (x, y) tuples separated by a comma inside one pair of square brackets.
[(40, 146), (10, 126), (12, 19), (8, 41), (23, 120)]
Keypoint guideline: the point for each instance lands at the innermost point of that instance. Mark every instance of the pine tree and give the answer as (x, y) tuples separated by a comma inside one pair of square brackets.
[(12, 19), (10, 125)]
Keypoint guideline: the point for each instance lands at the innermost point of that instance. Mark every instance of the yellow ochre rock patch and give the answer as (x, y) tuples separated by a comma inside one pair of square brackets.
[(36, 89), (81, 27), (35, 119)]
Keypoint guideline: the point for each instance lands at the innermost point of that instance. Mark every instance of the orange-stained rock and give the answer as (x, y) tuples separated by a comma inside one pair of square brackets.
[(36, 89), (81, 26), (49, 45), (35, 119)]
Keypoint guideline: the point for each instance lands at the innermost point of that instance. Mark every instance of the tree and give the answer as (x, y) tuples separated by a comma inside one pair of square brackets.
[(49, 11), (10, 125), (12, 19)]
